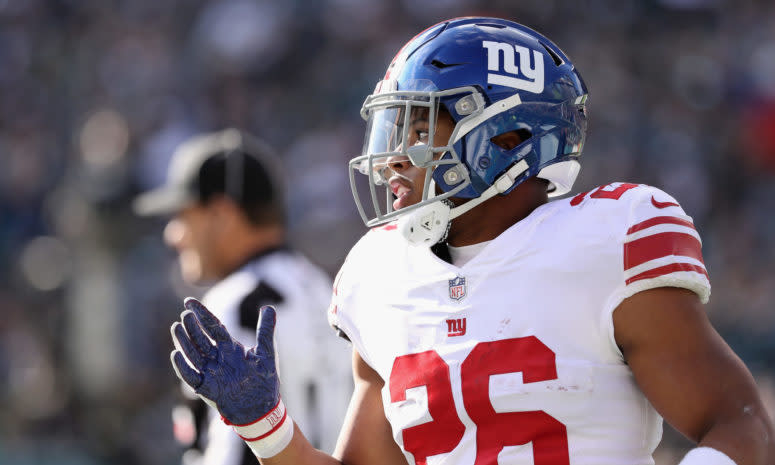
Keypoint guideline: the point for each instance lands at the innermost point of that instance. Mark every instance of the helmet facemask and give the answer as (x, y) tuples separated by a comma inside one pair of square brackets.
[(402, 126)]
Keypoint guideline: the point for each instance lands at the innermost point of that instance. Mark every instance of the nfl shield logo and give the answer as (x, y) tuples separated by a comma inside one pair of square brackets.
[(457, 288)]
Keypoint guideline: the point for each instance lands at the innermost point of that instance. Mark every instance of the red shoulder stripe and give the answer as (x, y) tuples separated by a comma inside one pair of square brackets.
[(659, 220), (667, 269), (661, 245), (659, 204)]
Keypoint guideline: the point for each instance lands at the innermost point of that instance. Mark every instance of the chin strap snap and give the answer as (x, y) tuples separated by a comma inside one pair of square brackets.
[(427, 225), (430, 224)]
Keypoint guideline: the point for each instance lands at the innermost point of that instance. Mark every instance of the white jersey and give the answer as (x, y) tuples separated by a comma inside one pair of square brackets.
[(511, 358), (314, 368)]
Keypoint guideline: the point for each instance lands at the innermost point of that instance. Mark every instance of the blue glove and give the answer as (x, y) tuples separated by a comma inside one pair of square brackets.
[(242, 385)]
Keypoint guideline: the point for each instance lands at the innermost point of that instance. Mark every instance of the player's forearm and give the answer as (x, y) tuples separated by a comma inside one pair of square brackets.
[(747, 439), (300, 452)]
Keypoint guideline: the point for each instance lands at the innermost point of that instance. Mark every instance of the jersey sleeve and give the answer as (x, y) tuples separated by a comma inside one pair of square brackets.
[(353, 287), (661, 247), (340, 310), (334, 319)]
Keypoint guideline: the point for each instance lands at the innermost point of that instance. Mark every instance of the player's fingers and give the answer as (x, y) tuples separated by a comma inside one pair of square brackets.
[(196, 334), (184, 345), (190, 376), (265, 330), (211, 324)]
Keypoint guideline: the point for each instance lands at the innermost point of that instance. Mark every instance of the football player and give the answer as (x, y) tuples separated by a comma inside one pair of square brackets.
[(490, 325)]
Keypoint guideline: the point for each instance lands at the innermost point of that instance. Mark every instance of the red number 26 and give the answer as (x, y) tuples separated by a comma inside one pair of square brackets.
[(495, 430)]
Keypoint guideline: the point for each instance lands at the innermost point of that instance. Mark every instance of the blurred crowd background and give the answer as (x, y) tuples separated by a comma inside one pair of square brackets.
[(95, 94)]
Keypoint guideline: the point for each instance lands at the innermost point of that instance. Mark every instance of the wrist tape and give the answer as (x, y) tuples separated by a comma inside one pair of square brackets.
[(268, 435), (706, 456)]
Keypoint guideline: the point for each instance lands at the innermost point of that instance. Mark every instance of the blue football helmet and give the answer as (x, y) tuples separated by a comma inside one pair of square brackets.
[(492, 77)]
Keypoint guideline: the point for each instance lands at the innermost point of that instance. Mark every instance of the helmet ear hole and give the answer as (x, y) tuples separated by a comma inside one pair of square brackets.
[(511, 139)]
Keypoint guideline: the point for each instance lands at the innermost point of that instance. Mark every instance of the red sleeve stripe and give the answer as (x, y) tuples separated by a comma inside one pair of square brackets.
[(657, 262), (667, 269), (660, 220), (663, 228), (660, 245)]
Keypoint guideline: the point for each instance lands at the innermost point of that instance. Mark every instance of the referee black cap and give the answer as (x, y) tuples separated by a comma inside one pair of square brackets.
[(228, 162)]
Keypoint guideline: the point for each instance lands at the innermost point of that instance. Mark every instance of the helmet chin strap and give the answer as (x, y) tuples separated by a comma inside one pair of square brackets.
[(429, 225)]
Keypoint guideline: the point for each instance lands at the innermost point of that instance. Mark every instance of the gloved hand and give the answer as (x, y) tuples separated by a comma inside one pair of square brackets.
[(242, 385)]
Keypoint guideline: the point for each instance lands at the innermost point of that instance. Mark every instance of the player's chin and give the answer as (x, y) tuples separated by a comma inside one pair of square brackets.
[(191, 269), (396, 203), (404, 200)]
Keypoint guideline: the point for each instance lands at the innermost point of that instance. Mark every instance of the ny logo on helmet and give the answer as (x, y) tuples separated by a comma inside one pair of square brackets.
[(534, 75)]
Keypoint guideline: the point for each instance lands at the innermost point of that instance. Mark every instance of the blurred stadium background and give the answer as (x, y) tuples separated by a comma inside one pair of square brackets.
[(94, 95)]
